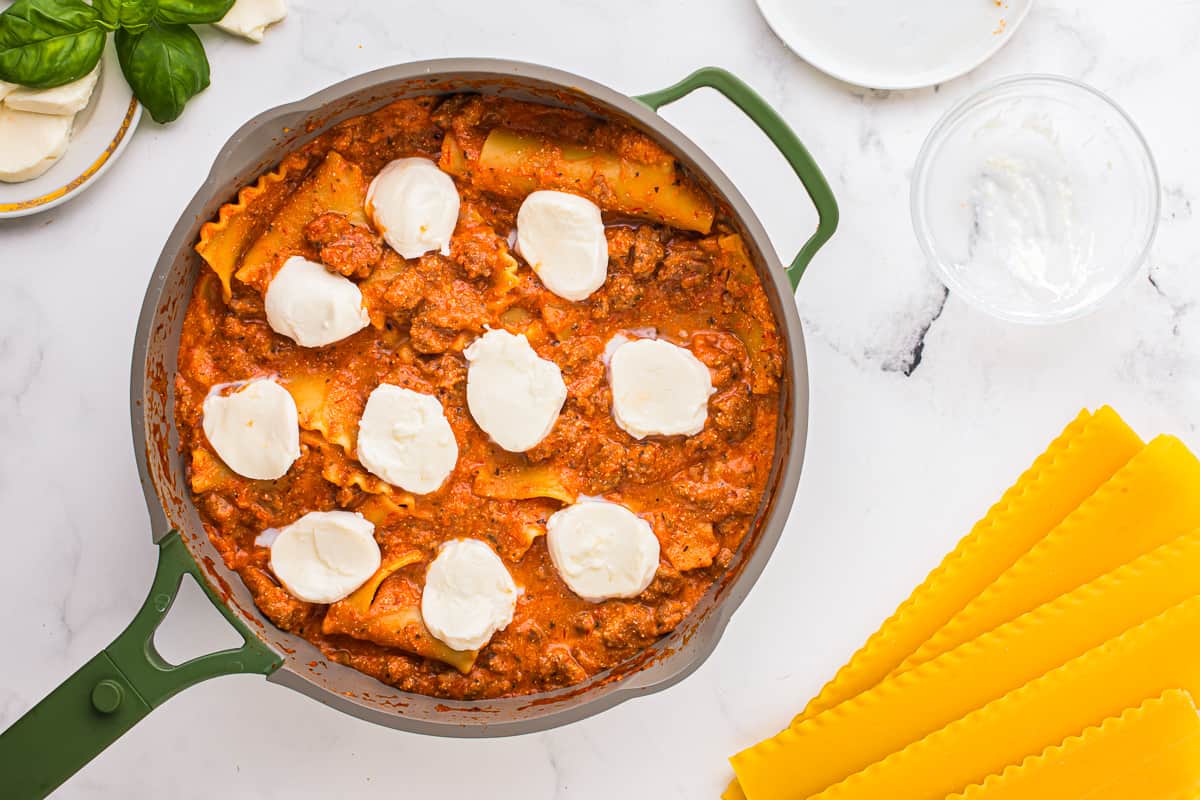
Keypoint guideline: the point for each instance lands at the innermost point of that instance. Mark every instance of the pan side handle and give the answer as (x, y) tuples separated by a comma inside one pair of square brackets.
[(780, 134), (122, 684)]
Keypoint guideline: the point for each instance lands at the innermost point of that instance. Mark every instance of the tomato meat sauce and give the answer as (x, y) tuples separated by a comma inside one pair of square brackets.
[(677, 270)]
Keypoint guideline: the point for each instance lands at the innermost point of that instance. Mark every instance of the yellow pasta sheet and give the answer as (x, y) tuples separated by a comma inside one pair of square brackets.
[(1084, 456), (362, 616), (336, 185), (1156, 656), (1152, 499), (240, 223), (825, 749), (328, 407), (1151, 752)]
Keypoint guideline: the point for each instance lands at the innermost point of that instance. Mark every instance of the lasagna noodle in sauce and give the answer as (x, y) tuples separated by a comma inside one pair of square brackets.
[(689, 282)]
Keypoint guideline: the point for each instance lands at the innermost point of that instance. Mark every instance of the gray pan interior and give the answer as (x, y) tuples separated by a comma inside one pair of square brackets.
[(257, 146)]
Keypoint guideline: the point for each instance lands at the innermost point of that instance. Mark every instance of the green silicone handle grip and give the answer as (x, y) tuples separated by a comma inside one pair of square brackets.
[(781, 135), (121, 685)]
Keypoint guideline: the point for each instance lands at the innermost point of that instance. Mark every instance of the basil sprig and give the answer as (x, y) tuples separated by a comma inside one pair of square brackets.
[(165, 63), (46, 43), (130, 15), (192, 12)]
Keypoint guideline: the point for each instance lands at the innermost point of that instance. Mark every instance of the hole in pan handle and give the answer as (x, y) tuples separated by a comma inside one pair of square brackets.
[(122, 684), (780, 134)]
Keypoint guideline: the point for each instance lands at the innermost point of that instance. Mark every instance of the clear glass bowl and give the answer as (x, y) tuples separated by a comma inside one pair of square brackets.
[(1035, 198)]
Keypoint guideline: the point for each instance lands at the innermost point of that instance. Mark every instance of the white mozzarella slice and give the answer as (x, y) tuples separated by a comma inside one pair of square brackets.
[(561, 236), (658, 388), (414, 205), (254, 429), (311, 306), (405, 438), (7, 88), (514, 395), (70, 98), (325, 555), (468, 595), (31, 143), (251, 18), (602, 550)]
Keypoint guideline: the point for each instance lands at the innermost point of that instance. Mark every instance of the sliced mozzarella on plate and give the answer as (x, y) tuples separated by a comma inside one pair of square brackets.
[(31, 143), (404, 438), (414, 205), (468, 595), (250, 18), (325, 555), (514, 395), (561, 236), (602, 550), (658, 388), (254, 429), (7, 88), (311, 306), (69, 98)]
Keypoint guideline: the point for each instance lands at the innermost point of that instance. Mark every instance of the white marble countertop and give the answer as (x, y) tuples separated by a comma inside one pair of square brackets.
[(920, 416)]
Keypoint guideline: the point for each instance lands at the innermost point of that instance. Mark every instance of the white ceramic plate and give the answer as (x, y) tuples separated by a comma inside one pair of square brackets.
[(101, 132), (894, 44)]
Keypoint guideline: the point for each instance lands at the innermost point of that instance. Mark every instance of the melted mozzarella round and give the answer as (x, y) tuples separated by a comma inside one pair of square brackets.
[(602, 550), (514, 395), (562, 237), (311, 306), (325, 555), (658, 388), (415, 206), (255, 429), (404, 438), (468, 595)]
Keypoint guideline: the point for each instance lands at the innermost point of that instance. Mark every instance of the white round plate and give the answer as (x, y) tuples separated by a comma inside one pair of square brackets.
[(101, 132), (894, 44)]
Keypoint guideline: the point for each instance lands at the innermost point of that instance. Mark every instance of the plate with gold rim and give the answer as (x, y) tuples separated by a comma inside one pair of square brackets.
[(101, 132)]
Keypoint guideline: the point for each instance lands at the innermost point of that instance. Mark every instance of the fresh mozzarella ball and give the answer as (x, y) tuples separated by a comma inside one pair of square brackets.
[(514, 395), (404, 438), (251, 18), (325, 555), (562, 237), (255, 429), (415, 206), (658, 388), (31, 143), (311, 306), (468, 595), (602, 550), (68, 99)]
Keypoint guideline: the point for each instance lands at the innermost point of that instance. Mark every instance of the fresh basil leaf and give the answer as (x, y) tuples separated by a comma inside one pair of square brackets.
[(165, 65), (45, 43), (192, 12), (132, 15)]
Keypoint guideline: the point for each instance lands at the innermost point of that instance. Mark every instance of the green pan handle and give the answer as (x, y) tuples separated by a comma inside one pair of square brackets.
[(782, 136), (123, 683)]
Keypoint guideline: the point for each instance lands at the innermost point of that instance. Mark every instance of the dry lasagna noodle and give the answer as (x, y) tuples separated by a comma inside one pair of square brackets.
[(824, 749), (1079, 461), (1151, 752), (1161, 654), (1153, 498)]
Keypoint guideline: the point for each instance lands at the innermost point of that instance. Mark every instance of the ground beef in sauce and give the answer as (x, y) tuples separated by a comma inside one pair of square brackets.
[(699, 493)]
